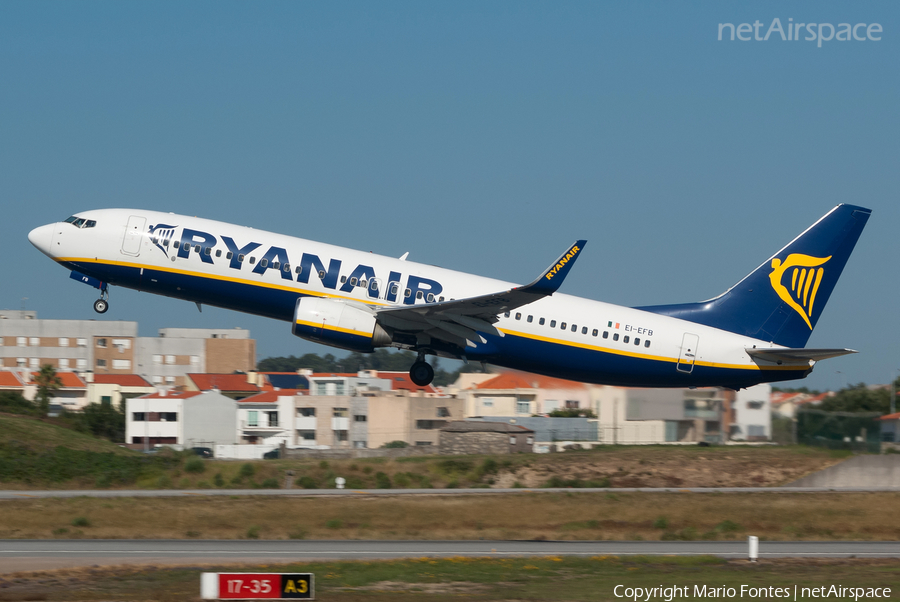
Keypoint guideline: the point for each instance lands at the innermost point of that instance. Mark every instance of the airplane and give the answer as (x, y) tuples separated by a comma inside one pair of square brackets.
[(754, 332)]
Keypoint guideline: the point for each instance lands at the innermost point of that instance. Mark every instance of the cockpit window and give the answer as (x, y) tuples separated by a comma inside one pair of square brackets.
[(80, 222)]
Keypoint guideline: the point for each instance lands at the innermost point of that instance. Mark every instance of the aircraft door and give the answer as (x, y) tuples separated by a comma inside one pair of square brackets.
[(134, 233), (688, 352)]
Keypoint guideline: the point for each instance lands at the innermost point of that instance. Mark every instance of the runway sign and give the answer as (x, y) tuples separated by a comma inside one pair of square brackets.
[(257, 586)]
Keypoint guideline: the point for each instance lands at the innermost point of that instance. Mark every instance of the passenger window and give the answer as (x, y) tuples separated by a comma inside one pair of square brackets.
[(647, 343), (584, 330), (394, 289), (276, 265), (165, 243), (616, 336), (407, 293), (625, 339), (605, 334), (441, 299), (530, 318), (430, 298), (343, 279), (286, 268), (207, 251), (298, 269), (637, 341), (241, 258), (419, 295), (229, 255), (262, 263), (518, 316), (574, 328), (353, 281), (252, 260), (552, 323), (321, 274), (563, 325), (594, 333), (506, 315), (541, 321), (186, 246), (218, 252), (196, 248)]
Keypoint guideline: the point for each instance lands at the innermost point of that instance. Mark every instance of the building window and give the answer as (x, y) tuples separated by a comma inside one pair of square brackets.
[(157, 380), (101, 363), (339, 412), (168, 417), (64, 363), (34, 362), (340, 436), (529, 440), (512, 439), (81, 342), (487, 402), (755, 405), (360, 418), (523, 407), (121, 365), (170, 359), (106, 400), (21, 362), (138, 417), (252, 418), (273, 418), (572, 404), (21, 341), (81, 364), (423, 443), (157, 359), (34, 342), (429, 425), (443, 413), (101, 343), (170, 380), (306, 412), (63, 342), (307, 435)]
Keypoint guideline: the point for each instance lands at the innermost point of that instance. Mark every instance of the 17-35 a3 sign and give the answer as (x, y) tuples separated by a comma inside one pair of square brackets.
[(257, 586)]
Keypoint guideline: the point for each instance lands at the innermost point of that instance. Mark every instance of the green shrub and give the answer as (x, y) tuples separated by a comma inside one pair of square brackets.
[(307, 482), (334, 523), (253, 532), (382, 481), (661, 523), (195, 464), (81, 521), (395, 445), (247, 470), (323, 464), (270, 483), (727, 526), (218, 481), (298, 533)]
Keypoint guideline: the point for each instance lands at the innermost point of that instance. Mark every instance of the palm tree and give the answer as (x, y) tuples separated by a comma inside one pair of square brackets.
[(47, 382)]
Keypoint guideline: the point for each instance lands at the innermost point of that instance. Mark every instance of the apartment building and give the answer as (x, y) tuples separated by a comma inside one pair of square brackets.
[(182, 419), (102, 347)]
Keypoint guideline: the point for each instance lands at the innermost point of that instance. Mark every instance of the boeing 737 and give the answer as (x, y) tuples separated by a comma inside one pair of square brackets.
[(752, 333)]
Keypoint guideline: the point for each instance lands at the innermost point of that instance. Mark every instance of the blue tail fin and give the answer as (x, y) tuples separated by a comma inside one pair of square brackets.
[(781, 300)]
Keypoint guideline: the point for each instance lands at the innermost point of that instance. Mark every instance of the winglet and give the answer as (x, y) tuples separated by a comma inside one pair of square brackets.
[(552, 278)]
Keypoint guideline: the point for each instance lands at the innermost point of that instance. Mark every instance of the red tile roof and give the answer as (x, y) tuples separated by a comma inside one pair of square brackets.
[(400, 381), (124, 380), (9, 379), (525, 380), (271, 396), (894, 416), (222, 382), (170, 395), (69, 380)]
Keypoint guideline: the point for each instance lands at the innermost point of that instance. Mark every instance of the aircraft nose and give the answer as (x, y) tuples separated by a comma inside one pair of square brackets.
[(42, 238)]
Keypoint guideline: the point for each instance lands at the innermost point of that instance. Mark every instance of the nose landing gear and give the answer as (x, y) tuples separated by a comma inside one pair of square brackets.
[(102, 304)]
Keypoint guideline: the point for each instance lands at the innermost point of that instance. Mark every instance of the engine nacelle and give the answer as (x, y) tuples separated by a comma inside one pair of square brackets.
[(339, 324)]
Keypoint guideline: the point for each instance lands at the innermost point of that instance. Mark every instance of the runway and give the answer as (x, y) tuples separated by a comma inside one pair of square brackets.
[(111, 493), (21, 555)]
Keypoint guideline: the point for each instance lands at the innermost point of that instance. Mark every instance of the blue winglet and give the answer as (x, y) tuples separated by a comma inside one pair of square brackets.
[(552, 278)]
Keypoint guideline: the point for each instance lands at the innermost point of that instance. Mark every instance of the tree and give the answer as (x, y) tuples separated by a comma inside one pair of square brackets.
[(103, 420), (47, 382), (12, 402), (858, 398)]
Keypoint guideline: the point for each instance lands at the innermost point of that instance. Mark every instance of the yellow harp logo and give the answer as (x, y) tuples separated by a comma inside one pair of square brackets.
[(805, 278)]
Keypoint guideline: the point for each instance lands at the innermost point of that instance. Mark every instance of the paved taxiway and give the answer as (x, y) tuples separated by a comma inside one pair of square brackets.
[(12, 494), (19, 555)]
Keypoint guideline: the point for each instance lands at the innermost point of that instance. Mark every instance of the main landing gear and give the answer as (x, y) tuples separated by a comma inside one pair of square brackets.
[(421, 372)]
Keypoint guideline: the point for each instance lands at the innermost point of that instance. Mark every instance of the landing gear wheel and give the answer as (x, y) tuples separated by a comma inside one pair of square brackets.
[(421, 373), (101, 305)]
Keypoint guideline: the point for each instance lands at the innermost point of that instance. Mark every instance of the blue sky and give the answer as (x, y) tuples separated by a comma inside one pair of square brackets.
[(479, 136)]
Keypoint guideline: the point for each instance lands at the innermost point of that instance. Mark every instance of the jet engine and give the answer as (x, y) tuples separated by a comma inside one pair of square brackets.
[(339, 324)]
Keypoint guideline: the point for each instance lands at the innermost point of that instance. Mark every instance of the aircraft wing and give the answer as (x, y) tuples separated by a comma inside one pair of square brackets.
[(458, 321), (795, 355)]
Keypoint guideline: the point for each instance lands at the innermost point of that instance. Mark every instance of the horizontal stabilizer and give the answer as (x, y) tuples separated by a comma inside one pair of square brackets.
[(795, 355)]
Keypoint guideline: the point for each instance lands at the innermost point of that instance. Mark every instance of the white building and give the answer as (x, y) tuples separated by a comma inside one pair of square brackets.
[(181, 419), (752, 414)]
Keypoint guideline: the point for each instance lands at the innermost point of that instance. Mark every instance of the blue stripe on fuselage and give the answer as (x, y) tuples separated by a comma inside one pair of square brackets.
[(512, 351)]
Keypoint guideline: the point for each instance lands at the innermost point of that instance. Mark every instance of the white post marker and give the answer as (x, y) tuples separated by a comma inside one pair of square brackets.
[(209, 586), (340, 481), (753, 545)]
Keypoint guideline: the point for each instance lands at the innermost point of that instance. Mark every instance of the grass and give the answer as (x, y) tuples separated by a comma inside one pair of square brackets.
[(526, 516), (478, 579)]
